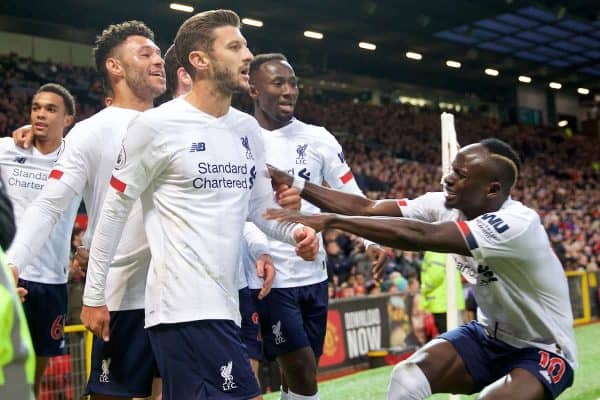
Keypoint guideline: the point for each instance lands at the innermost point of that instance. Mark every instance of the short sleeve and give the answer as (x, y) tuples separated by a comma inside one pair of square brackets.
[(428, 207), (494, 235), (336, 171)]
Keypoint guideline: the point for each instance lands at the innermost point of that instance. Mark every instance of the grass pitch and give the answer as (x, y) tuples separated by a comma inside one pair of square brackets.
[(372, 384)]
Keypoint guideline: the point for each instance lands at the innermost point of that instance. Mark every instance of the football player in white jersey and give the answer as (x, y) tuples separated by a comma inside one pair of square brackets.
[(255, 243), (198, 166), (25, 172), (523, 345), (293, 317), (131, 64)]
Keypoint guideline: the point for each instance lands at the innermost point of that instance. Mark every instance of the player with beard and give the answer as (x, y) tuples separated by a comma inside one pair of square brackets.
[(297, 304), (130, 62), (26, 172), (255, 243), (523, 345), (198, 166)]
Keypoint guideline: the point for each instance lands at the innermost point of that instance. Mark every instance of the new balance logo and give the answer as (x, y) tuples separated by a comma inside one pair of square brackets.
[(199, 146), (277, 332), (20, 160), (228, 384)]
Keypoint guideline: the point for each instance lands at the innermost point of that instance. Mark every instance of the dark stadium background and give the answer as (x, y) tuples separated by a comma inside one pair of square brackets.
[(385, 108)]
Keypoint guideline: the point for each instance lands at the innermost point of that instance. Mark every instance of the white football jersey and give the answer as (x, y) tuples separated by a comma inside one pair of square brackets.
[(92, 150), (84, 168), (199, 178), (312, 153), (521, 288), (25, 172)]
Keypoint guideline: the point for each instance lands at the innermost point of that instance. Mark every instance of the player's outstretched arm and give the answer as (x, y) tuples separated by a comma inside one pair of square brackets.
[(401, 233), (335, 200)]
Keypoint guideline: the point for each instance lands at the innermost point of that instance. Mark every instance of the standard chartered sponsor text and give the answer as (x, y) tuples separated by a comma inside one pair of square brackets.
[(28, 179), (238, 180)]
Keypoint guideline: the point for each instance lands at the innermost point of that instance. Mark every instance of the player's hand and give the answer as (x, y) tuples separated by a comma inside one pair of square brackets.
[(97, 320), (265, 270), (307, 243), (278, 177), (23, 136), (21, 291), (15, 273), (80, 261), (288, 197), (316, 221), (378, 258)]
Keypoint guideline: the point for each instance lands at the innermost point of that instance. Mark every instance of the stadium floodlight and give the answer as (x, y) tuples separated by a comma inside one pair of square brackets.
[(563, 123), (453, 64), (583, 91), (181, 7), (555, 85), (413, 56), (524, 79), (313, 34), (367, 46), (252, 22), (492, 72)]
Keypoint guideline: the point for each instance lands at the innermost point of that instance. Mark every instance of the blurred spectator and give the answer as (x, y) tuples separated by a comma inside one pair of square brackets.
[(433, 288)]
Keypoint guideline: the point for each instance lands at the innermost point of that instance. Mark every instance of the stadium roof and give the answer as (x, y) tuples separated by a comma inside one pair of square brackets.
[(545, 40)]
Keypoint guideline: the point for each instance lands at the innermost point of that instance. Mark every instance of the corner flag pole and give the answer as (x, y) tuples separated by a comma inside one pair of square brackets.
[(449, 150)]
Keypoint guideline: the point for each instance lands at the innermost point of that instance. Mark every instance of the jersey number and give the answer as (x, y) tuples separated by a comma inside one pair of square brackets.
[(58, 327), (554, 365)]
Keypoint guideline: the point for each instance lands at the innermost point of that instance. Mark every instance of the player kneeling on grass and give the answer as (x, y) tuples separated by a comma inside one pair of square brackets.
[(523, 345)]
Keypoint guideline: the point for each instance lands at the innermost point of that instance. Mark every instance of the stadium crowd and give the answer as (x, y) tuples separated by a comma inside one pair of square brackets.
[(394, 151)]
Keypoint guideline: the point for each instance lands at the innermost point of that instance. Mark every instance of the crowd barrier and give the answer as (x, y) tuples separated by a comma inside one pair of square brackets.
[(355, 327), (66, 376)]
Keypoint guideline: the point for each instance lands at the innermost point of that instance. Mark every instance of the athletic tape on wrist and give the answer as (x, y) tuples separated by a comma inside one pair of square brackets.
[(298, 183)]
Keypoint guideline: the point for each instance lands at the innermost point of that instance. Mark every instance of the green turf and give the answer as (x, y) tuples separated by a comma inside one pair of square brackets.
[(372, 384)]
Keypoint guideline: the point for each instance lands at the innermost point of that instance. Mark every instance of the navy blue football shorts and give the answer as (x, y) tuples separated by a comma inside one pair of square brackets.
[(45, 308), (125, 365), (250, 326), (203, 359), (488, 359), (293, 318)]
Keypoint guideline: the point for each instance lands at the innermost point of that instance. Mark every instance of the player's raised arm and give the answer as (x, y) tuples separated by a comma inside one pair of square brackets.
[(333, 200)]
